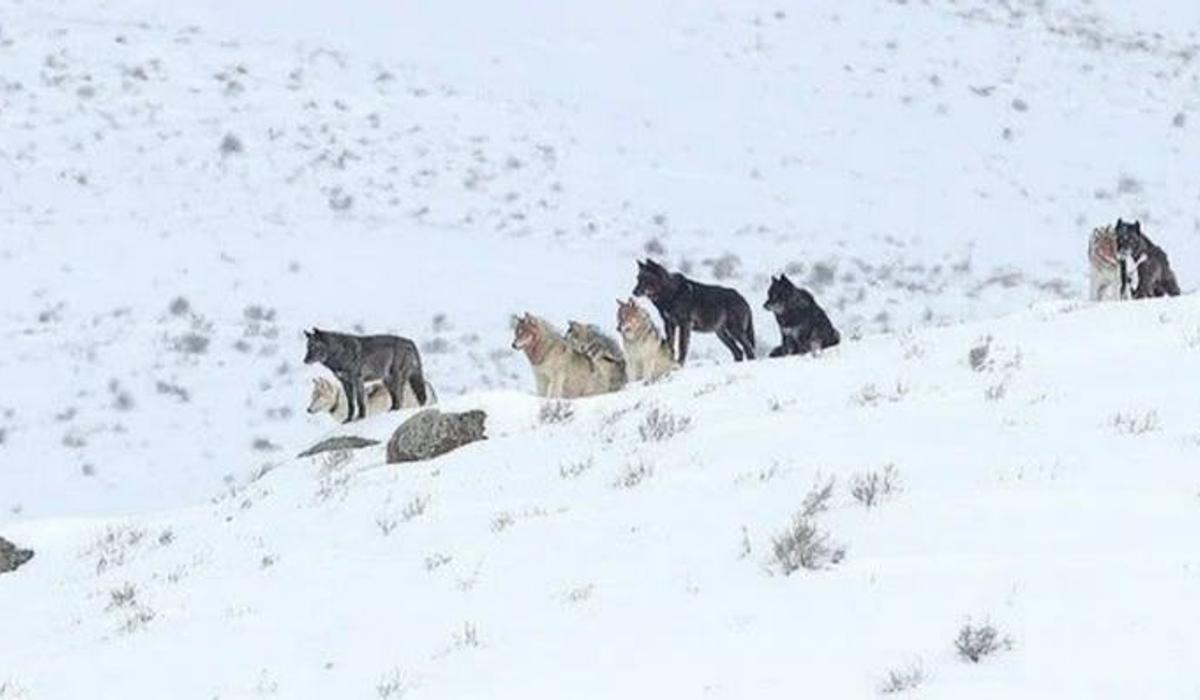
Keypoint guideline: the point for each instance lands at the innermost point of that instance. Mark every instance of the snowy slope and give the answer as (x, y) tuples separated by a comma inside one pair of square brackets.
[(430, 168), (1048, 485)]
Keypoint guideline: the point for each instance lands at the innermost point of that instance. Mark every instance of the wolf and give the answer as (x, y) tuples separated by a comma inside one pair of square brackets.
[(560, 371), (1149, 270), (355, 359), (686, 305), (648, 356), (328, 397), (589, 340), (1108, 274), (804, 326)]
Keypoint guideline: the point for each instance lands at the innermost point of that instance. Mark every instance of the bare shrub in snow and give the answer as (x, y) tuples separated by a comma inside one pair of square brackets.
[(870, 395), (503, 521), (122, 596), (633, 474), (902, 680), (872, 488), (976, 642), (817, 500), (190, 344), (414, 508), (979, 356), (1132, 424), (11, 690), (659, 425), (554, 412), (392, 685), (386, 524), (572, 470), (468, 637), (995, 392), (436, 561), (231, 145), (804, 546)]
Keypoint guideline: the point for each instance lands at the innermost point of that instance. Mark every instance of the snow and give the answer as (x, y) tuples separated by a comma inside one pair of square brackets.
[(930, 169)]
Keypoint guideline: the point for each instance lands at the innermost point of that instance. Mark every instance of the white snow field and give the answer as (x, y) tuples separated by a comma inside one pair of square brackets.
[(185, 187), (1048, 485)]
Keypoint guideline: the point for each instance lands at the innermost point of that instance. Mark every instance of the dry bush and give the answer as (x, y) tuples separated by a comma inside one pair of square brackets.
[(872, 488), (976, 642)]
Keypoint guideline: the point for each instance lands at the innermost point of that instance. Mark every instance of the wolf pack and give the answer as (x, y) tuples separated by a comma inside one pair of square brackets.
[(378, 373)]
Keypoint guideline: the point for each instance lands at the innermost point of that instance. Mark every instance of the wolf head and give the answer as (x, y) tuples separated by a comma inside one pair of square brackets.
[(318, 346), (324, 396), (783, 295), (525, 332), (1129, 238), (629, 316), (652, 279)]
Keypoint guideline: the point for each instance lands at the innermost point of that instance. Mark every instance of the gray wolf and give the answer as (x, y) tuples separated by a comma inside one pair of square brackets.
[(328, 397), (588, 339), (647, 354), (1149, 262), (355, 359), (560, 371), (686, 305), (804, 326)]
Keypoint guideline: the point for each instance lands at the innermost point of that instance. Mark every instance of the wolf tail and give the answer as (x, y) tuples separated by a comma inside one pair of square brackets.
[(417, 383)]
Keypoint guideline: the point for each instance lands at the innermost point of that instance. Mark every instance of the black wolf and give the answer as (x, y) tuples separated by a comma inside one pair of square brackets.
[(687, 306), (355, 359), (803, 325), (1151, 274)]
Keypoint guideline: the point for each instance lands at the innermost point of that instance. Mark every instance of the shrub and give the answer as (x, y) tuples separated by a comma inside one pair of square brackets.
[(976, 642), (554, 412), (804, 546), (902, 680), (872, 488), (660, 425)]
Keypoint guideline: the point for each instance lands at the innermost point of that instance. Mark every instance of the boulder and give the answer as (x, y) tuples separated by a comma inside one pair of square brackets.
[(340, 442), (431, 433), (12, 557)]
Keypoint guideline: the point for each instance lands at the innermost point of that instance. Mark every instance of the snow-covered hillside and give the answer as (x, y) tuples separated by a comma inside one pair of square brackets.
[(1046, 480), (185, 187), (430, 168)]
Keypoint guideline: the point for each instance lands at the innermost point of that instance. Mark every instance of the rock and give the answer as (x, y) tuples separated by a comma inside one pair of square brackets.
[(11, 557), (340, 442), (431, 433)]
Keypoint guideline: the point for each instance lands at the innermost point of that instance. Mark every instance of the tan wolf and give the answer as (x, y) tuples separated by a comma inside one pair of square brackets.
[(560, 371), (329, 397), (647, 355), (603, 350)]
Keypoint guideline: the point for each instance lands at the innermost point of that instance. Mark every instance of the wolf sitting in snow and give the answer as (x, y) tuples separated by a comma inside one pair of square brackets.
[(1108, 279), (328, 397), (561, 372), (604, 351), (647, 354), (1150, 271), (803, 325)]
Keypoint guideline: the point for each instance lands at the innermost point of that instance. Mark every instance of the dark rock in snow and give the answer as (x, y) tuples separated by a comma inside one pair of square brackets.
[(340, 442), (12, 557), (431, 433)]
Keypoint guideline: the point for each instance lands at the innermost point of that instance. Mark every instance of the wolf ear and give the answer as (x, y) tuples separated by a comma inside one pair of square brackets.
[(784, 278), (1137, 226), (1120, 223), (308, 334)]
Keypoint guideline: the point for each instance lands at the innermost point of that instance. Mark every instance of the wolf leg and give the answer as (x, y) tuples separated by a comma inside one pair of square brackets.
[(685, 337), (348, 388), (727, 338)]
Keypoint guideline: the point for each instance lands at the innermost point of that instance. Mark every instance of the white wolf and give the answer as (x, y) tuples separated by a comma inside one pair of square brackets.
[(1106, 267), (647, 354), (329, 397), (561, 372)]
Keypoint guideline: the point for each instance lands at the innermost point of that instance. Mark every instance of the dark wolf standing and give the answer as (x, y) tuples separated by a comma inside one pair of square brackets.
[(686, 306), (803, 325), (1150, 273), (355, 359)]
